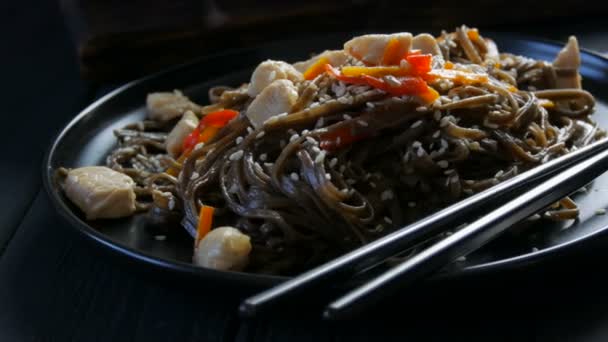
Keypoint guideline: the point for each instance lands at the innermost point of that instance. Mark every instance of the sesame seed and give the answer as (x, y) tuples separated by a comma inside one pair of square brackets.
[(461, 259), (421, 109), (320, 157), (314, 105), (534, 249), (315, 149), (386, 195), (420, 152), (448, 172), (263, 156), (456, 98), (416, 144), (294, 176), (342, 168), (294, 137), (171, 203), (160, 237), (236, 155), (194, 175), (269, 165), (417, 123), (328, 176), (320, 122), (362, 123), (260, 135), (406, 157), (347, 117), (372, 184), (281, 115), (379, 227), (199, 146), (249, 130), (311, 140), (239, 140), (404, 63), (468, 191), (234, 188), (343, 100), (443, 164), (338, 140), (444, 121), (499, 173), (436, 134), (411, 204), (370, 105), (444, 144), (333, 162), (388, 220)]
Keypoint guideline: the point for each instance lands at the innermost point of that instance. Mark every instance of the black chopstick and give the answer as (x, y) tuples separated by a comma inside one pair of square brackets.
[(377, 251), (469, 238)]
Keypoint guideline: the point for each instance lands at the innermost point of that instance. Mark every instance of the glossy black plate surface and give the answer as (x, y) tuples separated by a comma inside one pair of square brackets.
[(88, 138)]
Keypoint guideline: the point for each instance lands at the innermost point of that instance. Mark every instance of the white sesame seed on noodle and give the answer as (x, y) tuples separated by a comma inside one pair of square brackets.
[(236, 155), (239, 140), (443, 164), (388, 220), (416, 124), (411, 204), (294, 176), (333, 162), (347, 117), (260, 135)]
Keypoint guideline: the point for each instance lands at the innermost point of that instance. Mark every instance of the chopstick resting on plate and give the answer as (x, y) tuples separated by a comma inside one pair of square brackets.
[(469, 238), (376, 252)]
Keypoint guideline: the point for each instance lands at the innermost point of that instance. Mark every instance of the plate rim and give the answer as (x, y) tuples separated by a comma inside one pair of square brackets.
[(265, 279)]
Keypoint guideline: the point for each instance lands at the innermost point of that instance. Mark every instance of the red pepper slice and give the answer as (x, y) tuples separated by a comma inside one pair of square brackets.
[(339, 137), (421, 64), (207, 127)]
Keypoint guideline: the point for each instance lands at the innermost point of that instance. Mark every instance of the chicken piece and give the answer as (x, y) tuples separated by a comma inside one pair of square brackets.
[(182, 129), (275, 99), (370, 48), (270, 71), (426, 44), (335, 57), (165, 106), (566, 65), (223, 248), (100, 192)]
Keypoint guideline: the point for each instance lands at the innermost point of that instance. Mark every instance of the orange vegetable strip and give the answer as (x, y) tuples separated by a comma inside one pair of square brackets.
[(316, 69), (205, 220)]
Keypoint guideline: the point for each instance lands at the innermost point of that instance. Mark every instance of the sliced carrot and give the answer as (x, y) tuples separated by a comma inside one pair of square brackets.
[(391, 52), (316, 69), (449, 65), (205, 220), (380, 71)]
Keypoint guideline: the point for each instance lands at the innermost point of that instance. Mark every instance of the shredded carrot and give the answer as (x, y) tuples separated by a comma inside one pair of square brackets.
[(512, 88), (449, 65), (205, 219), (473, 34), (459, 76), (380, 71), (316, 69), (391, 52), (174, 171)]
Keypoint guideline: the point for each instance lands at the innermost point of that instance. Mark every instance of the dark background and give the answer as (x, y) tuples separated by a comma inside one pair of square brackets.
[(56, 57)]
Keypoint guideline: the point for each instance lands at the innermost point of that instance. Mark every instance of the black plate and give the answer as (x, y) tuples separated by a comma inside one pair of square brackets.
[(88, 138)]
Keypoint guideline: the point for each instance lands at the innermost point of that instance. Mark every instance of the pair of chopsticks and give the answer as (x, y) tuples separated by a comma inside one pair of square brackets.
[(504, 205)]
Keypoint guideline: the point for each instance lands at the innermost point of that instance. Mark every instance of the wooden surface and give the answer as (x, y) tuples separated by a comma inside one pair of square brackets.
[(57, 286)]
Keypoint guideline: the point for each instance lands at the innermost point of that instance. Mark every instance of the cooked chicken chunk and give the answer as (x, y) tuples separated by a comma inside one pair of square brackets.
[(566, 65), (182, 129), (165, 106), (223, 248), (370, 48), (275, 99), (335, 57), (100, 192), (270, 71), (426, 44)]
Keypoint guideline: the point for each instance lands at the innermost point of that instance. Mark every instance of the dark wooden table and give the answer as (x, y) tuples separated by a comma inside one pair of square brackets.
[(57, 286)]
